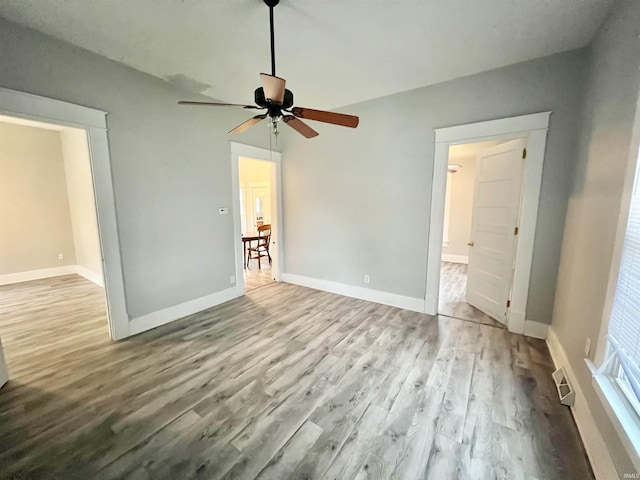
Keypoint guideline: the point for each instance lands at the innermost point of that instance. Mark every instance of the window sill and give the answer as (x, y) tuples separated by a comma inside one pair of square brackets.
[(622, 415)]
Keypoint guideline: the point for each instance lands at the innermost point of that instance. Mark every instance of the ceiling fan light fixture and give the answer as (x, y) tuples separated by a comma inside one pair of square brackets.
[(274, 98), (273, 87)]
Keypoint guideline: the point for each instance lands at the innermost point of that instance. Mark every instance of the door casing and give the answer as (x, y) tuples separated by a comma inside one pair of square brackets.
[(534, 128), (256, 153)]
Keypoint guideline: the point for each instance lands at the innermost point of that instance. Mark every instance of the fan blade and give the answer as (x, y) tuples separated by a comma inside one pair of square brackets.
[(212, 104), (273, 88), (326, 117), (300, 127), (244, 126)]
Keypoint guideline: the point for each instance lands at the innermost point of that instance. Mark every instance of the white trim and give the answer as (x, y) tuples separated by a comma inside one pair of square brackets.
[(18, 277), (621, 230), (594, 444), (448, 257), (171, 314), (241, 150), (534, 128), (43, 109), (4, 374), (39, 274), (492, 128), (536, 329), (376, 296), (517, 320), (622, 415), (90, 275), (34, 107)]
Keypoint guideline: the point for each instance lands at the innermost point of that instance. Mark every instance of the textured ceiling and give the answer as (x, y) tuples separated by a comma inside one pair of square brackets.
[(332, 52)]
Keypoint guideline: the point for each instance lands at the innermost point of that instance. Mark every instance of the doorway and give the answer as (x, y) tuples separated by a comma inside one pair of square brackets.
[(257, 215), (51, 273), (482, 207), (532, 131), (93, 122)]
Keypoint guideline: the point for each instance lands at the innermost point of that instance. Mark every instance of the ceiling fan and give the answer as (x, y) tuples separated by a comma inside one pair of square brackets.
[(273, 97)]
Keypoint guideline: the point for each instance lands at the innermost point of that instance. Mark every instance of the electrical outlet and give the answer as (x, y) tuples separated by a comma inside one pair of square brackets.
[(587, 347), (366, 279), (232, 279), (61, 256)]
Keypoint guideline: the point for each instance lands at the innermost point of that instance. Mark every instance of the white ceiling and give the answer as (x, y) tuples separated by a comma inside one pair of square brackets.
[(332, 52)]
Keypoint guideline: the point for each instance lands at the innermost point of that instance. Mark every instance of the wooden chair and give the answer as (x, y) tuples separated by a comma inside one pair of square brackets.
[(262, 249)]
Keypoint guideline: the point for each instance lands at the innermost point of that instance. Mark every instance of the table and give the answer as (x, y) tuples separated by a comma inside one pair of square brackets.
[(248, 238)]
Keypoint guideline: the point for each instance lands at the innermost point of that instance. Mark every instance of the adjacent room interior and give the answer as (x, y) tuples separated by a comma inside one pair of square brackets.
[(50, 257), (432, 273), (256, 194)]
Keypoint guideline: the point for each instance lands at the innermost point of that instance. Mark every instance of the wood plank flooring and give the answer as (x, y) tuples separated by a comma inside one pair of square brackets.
[(255, 277), (452, 301), (286, 382)]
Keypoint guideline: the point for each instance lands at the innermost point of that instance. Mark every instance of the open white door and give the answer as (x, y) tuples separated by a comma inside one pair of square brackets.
[(496, 210), (4, 375)]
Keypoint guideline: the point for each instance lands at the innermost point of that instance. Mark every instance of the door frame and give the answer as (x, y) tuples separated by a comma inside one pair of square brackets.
[(534, 128), (249, 186), (256, 153), (34, 107)]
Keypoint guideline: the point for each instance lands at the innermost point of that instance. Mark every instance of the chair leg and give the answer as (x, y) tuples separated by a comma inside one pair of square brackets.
[(259, 267)]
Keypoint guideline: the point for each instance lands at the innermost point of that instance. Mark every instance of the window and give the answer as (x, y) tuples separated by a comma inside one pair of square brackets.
[(618, 378)]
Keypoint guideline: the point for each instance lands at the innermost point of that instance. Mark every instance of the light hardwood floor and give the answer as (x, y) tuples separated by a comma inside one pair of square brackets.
[(452, 301), (286, 382), (255, 277)]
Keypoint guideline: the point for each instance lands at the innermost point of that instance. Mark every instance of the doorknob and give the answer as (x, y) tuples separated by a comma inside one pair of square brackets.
[(470, 244)]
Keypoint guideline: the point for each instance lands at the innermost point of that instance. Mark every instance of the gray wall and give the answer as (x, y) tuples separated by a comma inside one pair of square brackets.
[(605, 147), (35, 220), (368, 190), (170, 165)]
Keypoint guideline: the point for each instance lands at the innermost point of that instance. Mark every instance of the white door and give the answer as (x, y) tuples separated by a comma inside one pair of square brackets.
[(4, 375), (496, 209)]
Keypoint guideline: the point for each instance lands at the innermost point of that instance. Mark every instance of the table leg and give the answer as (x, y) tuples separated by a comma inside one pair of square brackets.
[(244, 255)]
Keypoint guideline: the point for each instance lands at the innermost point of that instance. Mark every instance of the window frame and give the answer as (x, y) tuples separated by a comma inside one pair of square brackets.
[(621, 405)]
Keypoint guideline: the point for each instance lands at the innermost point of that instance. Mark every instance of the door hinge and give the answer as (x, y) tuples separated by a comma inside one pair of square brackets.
[(516, 230), (524, 153), (508, 303)]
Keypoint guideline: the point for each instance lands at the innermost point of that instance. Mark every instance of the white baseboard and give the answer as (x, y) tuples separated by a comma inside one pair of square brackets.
[(536, 329), (90, 275), (447, 257), (162, 317), (37, 274), (51, 272), (516, 322), (594, 444), (376, 296)]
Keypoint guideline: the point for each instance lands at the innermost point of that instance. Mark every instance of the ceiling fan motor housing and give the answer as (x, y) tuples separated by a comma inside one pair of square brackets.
[(261, 101)]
